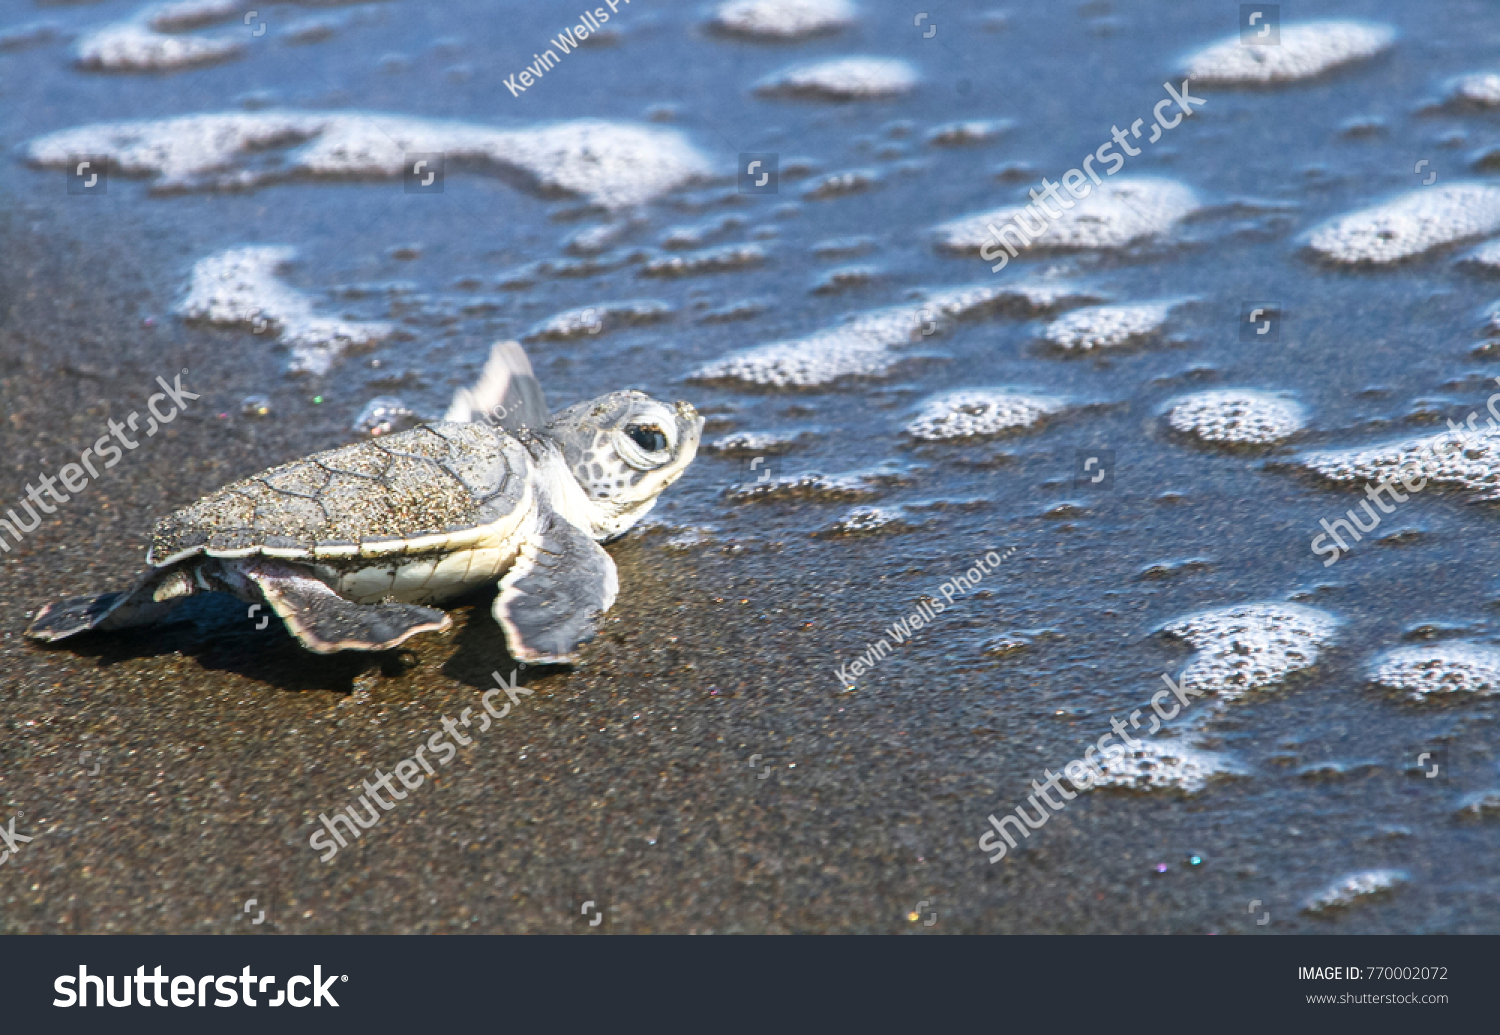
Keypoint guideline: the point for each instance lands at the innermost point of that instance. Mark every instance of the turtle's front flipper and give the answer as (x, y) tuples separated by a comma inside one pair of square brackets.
[(325, 622), (507, 392), (152, 597), (560, 583)]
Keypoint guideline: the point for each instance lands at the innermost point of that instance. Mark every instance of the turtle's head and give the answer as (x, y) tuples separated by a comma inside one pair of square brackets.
[(623, 449)]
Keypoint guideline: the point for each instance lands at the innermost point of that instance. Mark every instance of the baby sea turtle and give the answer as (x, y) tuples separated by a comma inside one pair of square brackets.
[(347, 545)]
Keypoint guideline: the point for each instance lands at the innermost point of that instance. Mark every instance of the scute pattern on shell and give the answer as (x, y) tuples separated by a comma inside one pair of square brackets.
[(433, 479)]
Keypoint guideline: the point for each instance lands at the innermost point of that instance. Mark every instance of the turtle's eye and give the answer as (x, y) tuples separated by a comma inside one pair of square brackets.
[(648, 436)]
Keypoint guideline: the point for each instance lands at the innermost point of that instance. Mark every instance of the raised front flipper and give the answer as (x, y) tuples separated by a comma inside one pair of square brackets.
[(507, 392), (554, 593)]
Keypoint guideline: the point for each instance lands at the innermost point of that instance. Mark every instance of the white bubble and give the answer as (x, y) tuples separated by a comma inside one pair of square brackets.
[(1480, 90), (1305, 50), (1170, 765), (239, 287), (602, 316), (754, 443), (182, 15), (823, 488), (1479, 805), (863, 344), (1440, 670), (1409, 225), (976, 412), (869, 521), (968, 133), (384, 415), (613, 164), (710, 260), (1353, 888), (1116, 213), (1108, 326), (1470, 461), (1238, 416), (842, 79), (130, 47), (1250, 647), (1485, 257), (782, 19)]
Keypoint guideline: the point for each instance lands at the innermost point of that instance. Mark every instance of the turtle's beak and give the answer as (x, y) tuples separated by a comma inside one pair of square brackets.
[(689, 416), (690, 432)]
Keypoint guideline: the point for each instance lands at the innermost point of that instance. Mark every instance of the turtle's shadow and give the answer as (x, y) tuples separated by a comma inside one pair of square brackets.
[(213, 629), (481, 652)]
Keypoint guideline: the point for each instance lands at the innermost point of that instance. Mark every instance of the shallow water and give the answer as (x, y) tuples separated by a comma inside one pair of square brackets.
[(674, 280)]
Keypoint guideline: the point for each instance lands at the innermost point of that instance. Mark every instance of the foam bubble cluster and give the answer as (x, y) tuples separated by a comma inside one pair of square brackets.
[(1165, 766), (1480, 90), (1485, 257), (844, 278), (1108, 326), (868, 521), (1237, 416), (1410, 225), (1472, 464), (1116, 213), (612, 164), (1250, 647), (239, 288), (753, 443), (182, 15), (1306, 50), (136, 47), (977, 412), (708, 260), (1353, 888), (841, 184), (842, 79), (385, 415), (859, 348), (782, 19), (862, 346), (593, 319), (1439, 670), (1479, 805), (822, 488), (968, 133)]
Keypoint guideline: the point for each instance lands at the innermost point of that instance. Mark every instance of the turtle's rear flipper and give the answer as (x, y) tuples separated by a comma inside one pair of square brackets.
[(70, 617), (154, 594), (559, 585), (325, 622)]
